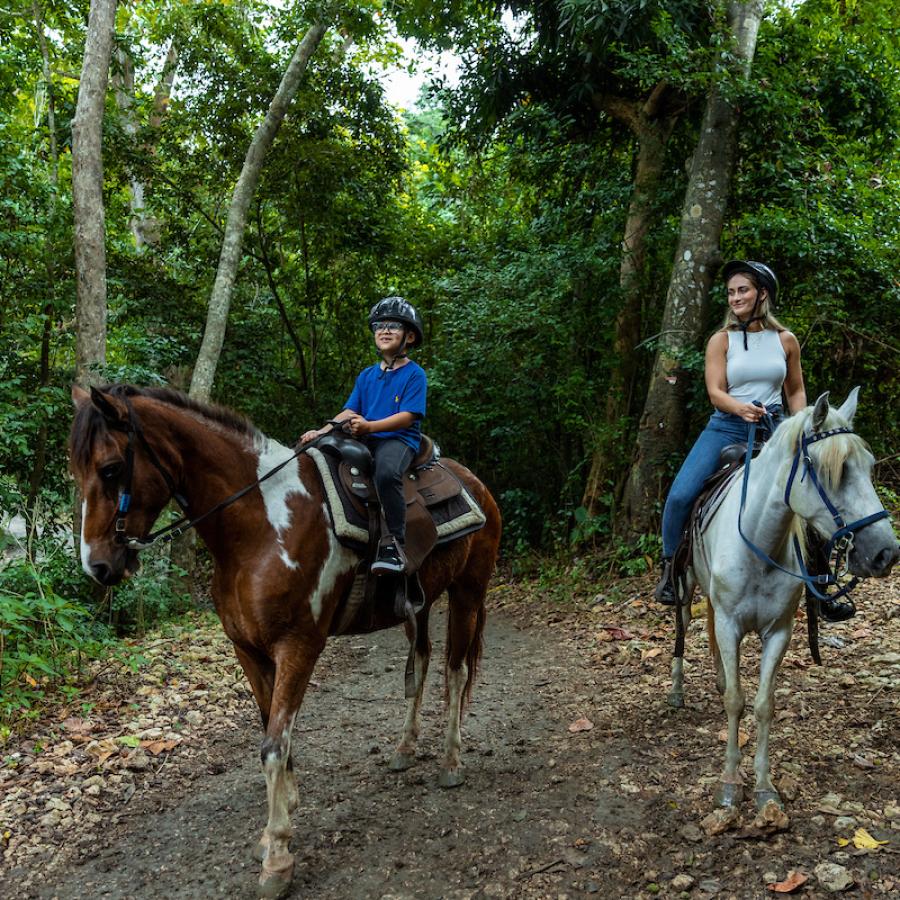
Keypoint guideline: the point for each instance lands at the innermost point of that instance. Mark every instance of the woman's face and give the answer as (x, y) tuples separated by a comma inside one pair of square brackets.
[(742, 294)]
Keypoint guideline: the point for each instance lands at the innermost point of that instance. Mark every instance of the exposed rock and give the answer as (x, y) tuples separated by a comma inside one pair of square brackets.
[(832, 877)]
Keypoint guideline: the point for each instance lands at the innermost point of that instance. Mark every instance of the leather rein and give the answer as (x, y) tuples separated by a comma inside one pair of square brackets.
[(840, 541), (164, 535)]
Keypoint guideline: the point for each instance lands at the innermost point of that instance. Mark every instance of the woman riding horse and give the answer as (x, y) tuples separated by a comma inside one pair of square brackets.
[(750, 361)]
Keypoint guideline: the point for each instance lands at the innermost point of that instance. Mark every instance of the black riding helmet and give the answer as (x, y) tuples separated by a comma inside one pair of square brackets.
[(397, 309), (763, 277)]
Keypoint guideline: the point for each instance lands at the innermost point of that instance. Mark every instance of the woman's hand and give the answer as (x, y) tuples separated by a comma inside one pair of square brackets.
[(359, 426), (308, 436), (749, 412)]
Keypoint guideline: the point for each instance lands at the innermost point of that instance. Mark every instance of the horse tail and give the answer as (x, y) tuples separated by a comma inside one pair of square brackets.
[(711, 628)]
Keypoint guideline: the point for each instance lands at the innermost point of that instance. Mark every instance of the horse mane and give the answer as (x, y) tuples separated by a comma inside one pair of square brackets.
[(830, 455), (90, 425)]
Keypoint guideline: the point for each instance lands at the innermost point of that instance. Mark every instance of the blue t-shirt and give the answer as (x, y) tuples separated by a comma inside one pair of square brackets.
[(380, 393)]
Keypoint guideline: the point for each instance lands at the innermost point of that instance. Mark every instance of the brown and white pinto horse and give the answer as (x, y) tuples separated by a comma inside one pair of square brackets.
[(280, 574)]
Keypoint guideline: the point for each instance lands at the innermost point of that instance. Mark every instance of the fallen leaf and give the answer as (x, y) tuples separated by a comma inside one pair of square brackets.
[(650, 654), (581, 725), (743, 737), (30, 680), (157, 747), (862, 840), (618, 634), (698, 609), (792, 881)]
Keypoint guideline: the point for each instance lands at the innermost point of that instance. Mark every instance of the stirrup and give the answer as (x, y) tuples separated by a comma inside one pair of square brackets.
[(665, 590)]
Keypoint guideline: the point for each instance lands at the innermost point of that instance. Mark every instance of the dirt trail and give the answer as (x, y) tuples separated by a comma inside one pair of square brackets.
[(611, 811)]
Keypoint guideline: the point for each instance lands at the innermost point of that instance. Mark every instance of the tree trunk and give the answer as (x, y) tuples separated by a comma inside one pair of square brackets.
[(87, 195), (661, 432), (652, 124), (220, 300), (40, 448)]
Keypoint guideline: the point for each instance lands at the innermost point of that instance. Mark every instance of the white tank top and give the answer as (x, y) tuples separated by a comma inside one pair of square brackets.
[(758, 372)]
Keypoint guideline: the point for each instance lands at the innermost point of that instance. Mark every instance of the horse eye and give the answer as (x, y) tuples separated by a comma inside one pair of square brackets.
[(111, 472)]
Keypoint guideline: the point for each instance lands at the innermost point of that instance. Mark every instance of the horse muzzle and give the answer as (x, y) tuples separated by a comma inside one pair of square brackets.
[(110, 572), (878, 565)]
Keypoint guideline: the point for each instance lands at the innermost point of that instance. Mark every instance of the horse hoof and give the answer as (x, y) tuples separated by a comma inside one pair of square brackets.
[(275, 878), (400, 762), (451, 778), (261, 850), (729, 794), (761, 798), (676, 700)]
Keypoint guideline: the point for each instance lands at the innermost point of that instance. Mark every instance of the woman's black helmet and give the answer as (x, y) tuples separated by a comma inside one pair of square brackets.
[(398, 310), (761, 273)]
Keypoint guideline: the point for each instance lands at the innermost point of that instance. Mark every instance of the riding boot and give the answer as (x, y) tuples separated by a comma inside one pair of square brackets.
[(665, 590), (836, 610)]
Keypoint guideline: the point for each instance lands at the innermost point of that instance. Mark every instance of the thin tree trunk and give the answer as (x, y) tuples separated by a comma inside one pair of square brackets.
[(662, 428), (87, 195), (229, 259), (652, 124), (40, 448)]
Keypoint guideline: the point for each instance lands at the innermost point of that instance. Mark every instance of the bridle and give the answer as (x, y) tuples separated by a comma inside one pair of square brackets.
[(132, 428), (841, 540)]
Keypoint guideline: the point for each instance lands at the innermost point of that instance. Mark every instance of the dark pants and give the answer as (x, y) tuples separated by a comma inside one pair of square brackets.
[(392, 459)]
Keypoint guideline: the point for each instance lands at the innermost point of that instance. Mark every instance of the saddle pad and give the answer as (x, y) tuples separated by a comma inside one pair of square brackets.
[(457, 516)]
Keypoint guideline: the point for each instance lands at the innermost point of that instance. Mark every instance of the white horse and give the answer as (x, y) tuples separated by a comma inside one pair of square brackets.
[(812, 460)]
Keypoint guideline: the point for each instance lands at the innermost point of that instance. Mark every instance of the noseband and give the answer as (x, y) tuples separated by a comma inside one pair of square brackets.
[(842, 538), (132, 428)]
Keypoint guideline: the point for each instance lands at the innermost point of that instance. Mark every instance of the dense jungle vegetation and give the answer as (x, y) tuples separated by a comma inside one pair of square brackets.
[(498, 205)]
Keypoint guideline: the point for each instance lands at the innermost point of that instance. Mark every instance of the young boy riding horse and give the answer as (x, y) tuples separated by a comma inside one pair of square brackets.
[(385, 410)]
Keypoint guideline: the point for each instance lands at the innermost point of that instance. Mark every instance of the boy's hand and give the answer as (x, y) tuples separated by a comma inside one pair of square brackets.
[(308, 436), (358, 426)]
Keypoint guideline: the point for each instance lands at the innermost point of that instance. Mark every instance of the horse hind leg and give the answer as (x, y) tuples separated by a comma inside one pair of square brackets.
[(465, 627), (405, 754), (676, 695)]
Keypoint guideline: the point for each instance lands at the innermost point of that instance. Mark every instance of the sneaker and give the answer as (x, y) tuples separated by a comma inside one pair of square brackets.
[(391, 559), (836, 610), (665, 590)]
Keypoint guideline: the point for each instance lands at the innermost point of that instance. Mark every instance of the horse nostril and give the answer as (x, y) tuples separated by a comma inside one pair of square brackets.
[(102, 572), (885, 559)]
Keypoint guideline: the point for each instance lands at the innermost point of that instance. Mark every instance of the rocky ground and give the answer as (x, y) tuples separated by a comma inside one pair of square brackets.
[(580, 779)]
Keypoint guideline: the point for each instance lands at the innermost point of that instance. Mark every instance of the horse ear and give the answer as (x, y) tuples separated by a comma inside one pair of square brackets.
[(820, 412), (112, 408), (848, 407), (79, 396)]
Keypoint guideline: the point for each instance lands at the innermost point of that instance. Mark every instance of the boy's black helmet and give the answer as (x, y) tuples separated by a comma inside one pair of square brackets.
[(763, 275), (398, 310)]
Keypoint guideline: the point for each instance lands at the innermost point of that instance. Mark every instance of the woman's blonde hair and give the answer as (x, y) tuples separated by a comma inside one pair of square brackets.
[(733, 323)]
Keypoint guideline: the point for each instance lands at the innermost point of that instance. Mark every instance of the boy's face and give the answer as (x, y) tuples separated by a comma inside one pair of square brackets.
[(389, 337)]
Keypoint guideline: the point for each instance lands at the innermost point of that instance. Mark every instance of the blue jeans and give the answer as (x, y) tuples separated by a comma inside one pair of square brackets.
[(721, 430)]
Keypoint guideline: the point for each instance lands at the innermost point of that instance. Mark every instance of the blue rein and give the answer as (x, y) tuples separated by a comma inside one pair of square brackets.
[(842, 538)]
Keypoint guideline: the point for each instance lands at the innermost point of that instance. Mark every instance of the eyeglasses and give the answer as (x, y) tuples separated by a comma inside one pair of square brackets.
[(392, 327)]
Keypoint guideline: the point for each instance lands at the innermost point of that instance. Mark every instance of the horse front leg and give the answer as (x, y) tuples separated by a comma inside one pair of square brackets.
[(405, 754), (260, 672), (293, 668), (730, 790), (774, 647)]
